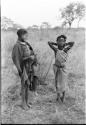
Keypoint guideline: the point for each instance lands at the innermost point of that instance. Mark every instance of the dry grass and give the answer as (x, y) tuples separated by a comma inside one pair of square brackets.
[(45, 109)]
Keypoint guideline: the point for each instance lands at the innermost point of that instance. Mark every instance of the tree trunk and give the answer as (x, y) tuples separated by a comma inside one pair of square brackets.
[(78, 24), (70, 24)]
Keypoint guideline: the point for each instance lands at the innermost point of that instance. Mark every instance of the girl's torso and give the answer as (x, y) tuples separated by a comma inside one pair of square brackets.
[(60, 57)]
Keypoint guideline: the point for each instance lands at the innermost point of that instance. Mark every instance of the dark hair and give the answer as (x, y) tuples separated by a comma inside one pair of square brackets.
[(61, 36), (21, 32)]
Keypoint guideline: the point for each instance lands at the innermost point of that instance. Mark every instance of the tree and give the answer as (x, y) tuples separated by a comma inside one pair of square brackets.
[(68, 14), (80, 11), (35, 27), (64, 24), (71, 12), (17, 26), (45, 25)]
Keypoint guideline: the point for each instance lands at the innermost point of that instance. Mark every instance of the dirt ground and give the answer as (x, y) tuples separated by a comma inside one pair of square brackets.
[(45, 109)]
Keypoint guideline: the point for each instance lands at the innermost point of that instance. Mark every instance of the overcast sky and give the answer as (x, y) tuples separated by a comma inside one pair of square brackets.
[(30, 12)]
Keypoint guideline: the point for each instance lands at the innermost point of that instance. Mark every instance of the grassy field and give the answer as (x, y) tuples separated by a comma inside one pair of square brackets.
[(45, 109)]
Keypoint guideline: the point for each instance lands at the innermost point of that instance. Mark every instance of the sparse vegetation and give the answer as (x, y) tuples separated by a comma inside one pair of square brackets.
[(45, 109)]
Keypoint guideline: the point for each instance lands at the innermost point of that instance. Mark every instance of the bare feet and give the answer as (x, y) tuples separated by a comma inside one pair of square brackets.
[(35, 93), (24, 107), (58, 96), (29, 105), (63, 97)]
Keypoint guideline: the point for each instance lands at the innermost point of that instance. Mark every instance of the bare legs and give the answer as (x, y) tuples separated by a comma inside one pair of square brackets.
[(24, 94), (33, 86), (59, 83)]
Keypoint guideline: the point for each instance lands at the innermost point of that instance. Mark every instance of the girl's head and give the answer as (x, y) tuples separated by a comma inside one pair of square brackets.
[(22, 34), (61, 40)]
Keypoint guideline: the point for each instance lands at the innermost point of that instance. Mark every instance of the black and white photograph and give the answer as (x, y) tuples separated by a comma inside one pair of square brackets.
[(43, 61)]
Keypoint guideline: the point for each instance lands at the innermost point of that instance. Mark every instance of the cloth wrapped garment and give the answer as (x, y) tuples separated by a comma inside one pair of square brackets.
[(60, 71), (20, 53)]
